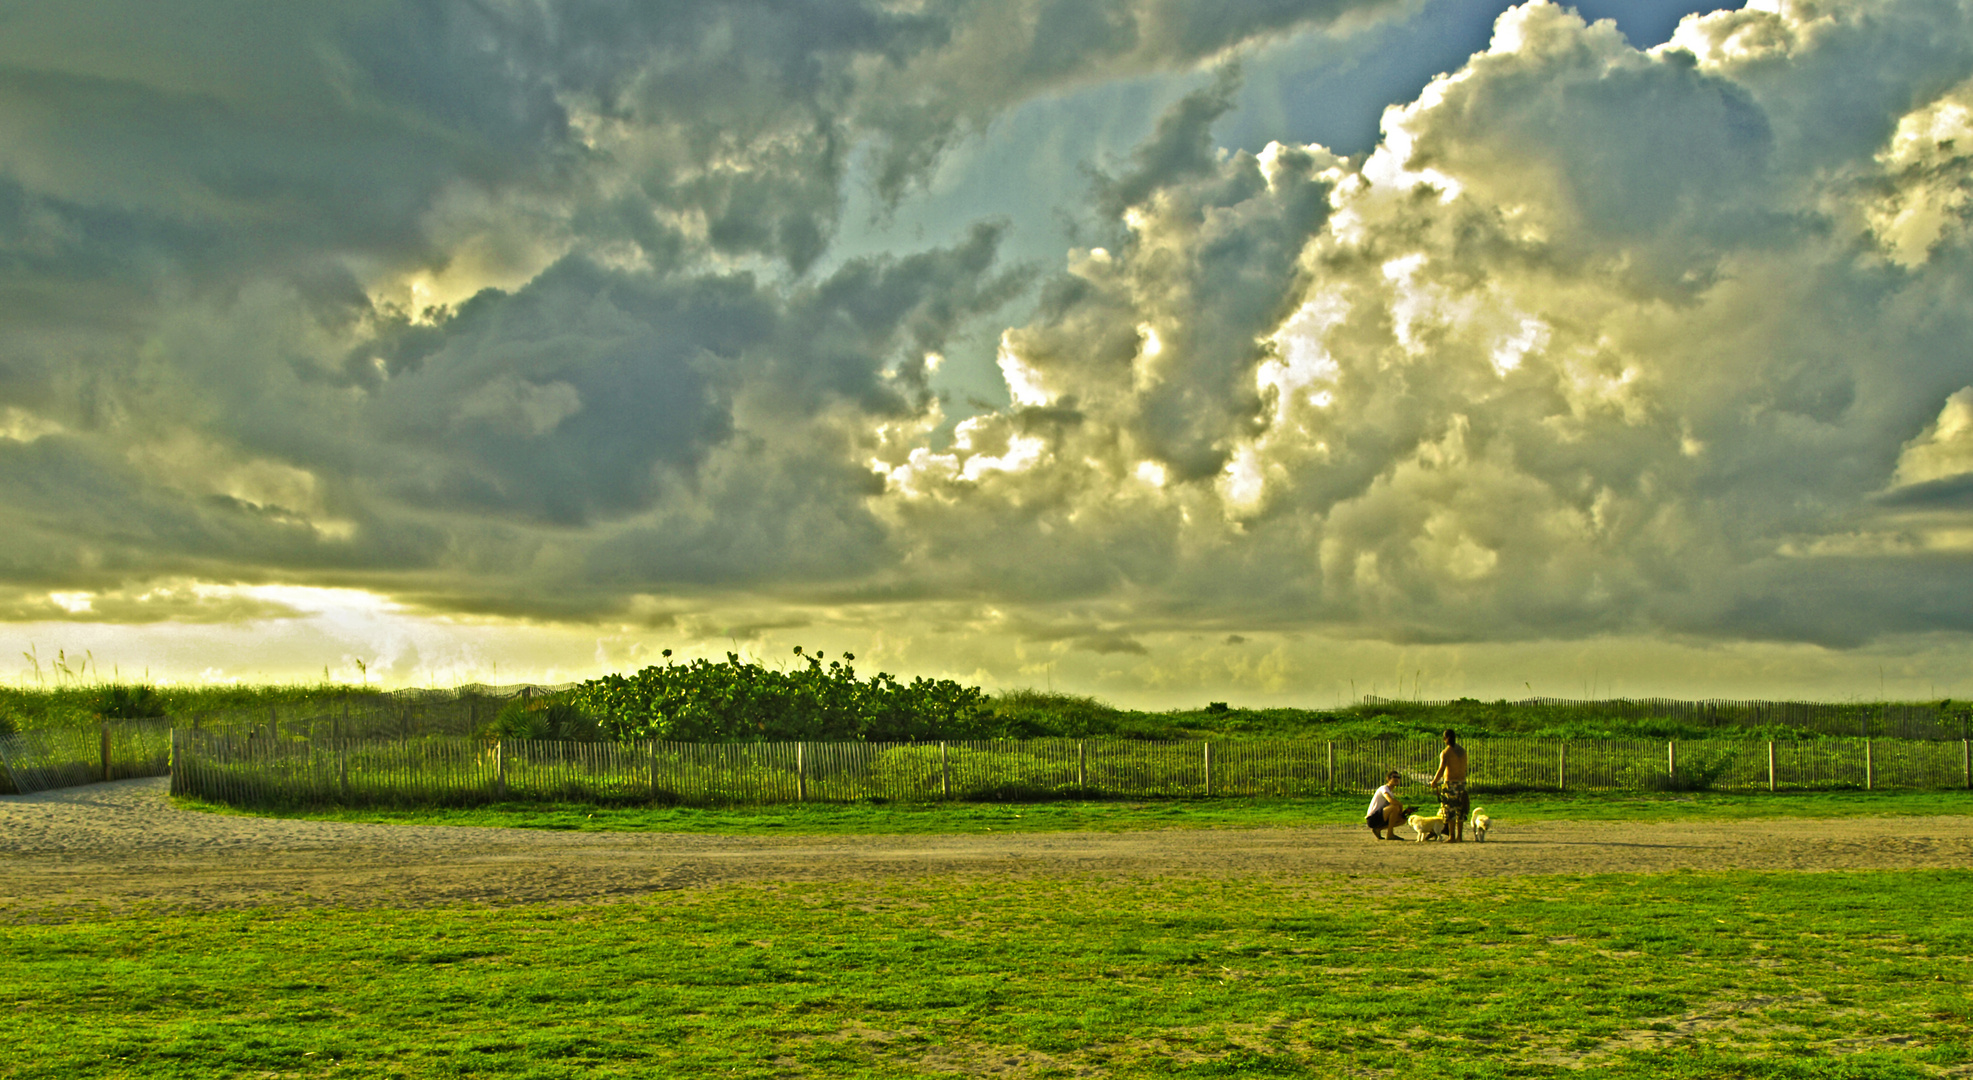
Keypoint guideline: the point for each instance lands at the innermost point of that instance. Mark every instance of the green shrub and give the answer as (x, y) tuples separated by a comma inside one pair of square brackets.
[(118, 701), (544, 718), (703, 701)]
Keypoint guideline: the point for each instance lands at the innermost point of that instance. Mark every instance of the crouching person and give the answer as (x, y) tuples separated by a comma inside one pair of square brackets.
[(1386, 812)]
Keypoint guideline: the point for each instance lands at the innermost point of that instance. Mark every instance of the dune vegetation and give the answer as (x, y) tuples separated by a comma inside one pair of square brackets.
[(815, 697)]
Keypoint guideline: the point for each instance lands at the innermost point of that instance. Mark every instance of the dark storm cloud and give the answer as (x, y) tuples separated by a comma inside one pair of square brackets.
[(1954, 493), (700, 428), (207, 217), (532, 309), (202, 139), (589, 393)]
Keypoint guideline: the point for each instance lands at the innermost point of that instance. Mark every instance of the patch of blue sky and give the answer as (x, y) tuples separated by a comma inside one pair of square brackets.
[(1031, 169)]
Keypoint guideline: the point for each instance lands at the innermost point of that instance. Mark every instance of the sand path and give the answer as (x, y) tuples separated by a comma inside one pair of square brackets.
[(123, 845)]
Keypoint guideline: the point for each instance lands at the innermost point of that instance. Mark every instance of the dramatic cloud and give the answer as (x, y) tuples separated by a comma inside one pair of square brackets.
[(1598, 341), (535, 311)]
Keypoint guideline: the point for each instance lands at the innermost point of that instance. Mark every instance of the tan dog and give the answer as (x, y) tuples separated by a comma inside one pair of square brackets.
[(1481, 823), (1427, 827)]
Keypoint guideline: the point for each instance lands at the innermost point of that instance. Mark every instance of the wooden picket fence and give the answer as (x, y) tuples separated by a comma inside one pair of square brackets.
[(248, 770), (48, 758), (42, 759)]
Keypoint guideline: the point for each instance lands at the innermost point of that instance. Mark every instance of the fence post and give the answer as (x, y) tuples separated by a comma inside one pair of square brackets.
[(1561, 766), (500, 769), (1869, 766), (1671, 761), (1209, 768), (1966, 761), (1770, 766), (342, 766), (651, 755), (176, 788), (1332, 766), (106, 753), (1082, 767), (801, 774), (945, 771)]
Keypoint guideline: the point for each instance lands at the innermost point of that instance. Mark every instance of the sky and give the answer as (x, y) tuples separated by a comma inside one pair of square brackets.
[(1278, 352)]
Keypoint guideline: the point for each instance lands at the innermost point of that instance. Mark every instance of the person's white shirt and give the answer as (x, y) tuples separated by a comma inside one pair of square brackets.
[(1384, 797)]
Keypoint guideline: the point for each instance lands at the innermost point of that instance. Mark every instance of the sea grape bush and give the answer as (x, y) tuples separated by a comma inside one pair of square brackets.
[(708, 701)]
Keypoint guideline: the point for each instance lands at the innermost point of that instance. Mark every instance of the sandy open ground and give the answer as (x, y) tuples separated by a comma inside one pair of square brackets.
[(123, 845)]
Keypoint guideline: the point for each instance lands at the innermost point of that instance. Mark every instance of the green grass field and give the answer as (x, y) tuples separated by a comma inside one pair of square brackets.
[(1117, 816), (1685, 975)]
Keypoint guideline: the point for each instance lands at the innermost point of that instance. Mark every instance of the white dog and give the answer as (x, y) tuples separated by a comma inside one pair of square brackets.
[(1481, 823), (1427, 827)]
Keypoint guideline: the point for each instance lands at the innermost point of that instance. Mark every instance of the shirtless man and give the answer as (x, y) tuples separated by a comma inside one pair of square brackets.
[(1450, 782)]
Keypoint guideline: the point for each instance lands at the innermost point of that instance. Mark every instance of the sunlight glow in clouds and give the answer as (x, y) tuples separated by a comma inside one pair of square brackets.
[(1944, 450)]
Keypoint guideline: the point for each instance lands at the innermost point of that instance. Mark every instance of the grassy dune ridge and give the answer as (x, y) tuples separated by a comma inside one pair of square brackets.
[(1020, 713), (81, 703)]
